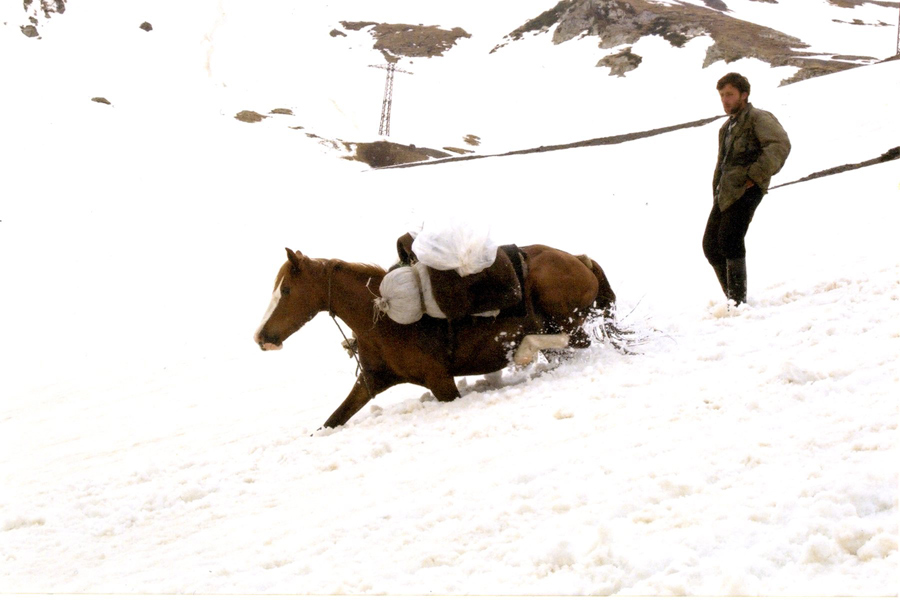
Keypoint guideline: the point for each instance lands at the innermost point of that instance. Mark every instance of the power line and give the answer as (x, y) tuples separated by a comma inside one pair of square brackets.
[(384, 128)]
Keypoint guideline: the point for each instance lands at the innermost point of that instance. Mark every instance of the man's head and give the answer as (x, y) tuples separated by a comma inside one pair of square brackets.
[(734, 90)]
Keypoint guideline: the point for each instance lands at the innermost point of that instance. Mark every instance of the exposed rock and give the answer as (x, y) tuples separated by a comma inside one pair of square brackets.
[(621, 63), (716, 5), (870, 59), (414, 41), (457, 150), (357, 25), (146, 26), (604, 141), (620, 22), (336, 33), (892, 154), (40, 11), (863, 23), (814, 68), (855, 3), (101, 100), (281, 111), (384, 154), (472, 140), (249, 116), (48, 7)]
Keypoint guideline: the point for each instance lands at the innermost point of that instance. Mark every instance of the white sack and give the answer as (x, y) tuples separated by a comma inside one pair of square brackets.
[(400, 299), (431, 307), (403, 293), (447, 245)]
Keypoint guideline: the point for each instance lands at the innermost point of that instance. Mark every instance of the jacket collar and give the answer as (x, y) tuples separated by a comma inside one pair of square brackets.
[(741, 116)]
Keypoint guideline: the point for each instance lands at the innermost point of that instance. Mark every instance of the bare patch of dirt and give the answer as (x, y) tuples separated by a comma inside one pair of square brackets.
[(386, 154), (621, 22), (249, 116), (414, 41)]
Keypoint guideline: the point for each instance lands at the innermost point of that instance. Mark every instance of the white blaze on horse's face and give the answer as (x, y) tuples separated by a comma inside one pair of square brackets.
[(257, 337)]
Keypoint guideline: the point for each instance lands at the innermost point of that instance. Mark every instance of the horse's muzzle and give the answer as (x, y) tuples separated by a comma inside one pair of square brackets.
[(266, 343)]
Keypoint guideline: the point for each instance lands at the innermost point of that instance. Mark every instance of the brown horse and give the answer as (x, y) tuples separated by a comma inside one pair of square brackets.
[(561, 292)]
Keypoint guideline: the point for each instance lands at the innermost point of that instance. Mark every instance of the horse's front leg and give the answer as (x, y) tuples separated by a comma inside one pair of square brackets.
[(443, 388), (359, 396)]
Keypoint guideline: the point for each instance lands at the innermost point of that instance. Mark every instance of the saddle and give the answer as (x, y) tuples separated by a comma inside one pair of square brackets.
[(498, 287)]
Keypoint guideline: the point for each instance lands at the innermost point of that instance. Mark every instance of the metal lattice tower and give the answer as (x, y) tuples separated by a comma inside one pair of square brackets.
[(384, 128)]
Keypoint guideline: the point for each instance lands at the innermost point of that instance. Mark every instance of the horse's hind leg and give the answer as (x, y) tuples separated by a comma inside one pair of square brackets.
[(532, 344), (359, 396), (560, 285)]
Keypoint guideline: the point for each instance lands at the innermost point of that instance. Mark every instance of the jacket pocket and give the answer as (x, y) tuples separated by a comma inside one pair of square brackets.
[(745, 149), (731, 185)]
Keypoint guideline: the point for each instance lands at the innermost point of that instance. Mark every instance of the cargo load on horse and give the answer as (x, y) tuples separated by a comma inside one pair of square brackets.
[(449, 273)]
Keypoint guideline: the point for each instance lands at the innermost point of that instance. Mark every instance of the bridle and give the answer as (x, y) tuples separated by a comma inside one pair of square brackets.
[(347, 344)]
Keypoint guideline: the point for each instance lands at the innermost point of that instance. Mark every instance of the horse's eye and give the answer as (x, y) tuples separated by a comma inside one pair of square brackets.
[(285, 291)]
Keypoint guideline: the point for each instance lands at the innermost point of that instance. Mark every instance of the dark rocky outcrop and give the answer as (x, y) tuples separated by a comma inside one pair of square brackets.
[(39, 11), (414, 41), (621, 63), (620, 22)]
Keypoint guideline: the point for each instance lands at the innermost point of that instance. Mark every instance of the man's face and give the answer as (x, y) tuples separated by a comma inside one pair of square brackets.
[(732, 100)]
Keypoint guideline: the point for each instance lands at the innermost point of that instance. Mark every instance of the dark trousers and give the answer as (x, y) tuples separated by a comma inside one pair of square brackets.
[(725, 230)]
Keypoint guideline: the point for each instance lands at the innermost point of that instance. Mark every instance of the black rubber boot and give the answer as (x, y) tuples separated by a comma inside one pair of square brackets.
[(737, 280), (722, 275)]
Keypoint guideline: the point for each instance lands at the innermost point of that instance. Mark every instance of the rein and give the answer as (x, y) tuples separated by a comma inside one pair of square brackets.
[(347, 344)]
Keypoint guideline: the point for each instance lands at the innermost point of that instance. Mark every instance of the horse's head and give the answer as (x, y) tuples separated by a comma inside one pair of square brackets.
[(300, 293)]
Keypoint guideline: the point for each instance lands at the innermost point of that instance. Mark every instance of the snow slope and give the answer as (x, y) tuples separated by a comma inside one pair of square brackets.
[(149, 446)]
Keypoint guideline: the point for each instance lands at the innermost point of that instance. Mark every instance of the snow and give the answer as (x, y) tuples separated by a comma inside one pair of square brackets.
[(150, 447)]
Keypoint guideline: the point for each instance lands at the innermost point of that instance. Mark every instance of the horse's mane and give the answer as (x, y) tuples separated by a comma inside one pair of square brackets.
[(366, 269)]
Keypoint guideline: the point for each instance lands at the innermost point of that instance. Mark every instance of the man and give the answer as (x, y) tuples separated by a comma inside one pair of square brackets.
[(752, 148)]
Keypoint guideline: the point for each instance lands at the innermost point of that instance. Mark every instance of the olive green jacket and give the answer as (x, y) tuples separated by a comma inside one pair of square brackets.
[(755, 150)]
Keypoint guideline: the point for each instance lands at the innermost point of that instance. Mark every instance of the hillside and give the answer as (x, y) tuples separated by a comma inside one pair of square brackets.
[(620, 23), (460, 65), (150, 447)]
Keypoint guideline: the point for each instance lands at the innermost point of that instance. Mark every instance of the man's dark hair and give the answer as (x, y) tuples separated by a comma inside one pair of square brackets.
[(737, 80)]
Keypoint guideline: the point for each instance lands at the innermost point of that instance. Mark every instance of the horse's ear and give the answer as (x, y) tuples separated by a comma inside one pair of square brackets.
[(293, 257)]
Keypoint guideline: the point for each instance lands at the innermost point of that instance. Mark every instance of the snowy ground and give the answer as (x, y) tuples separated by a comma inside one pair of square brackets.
[(149, 446)]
